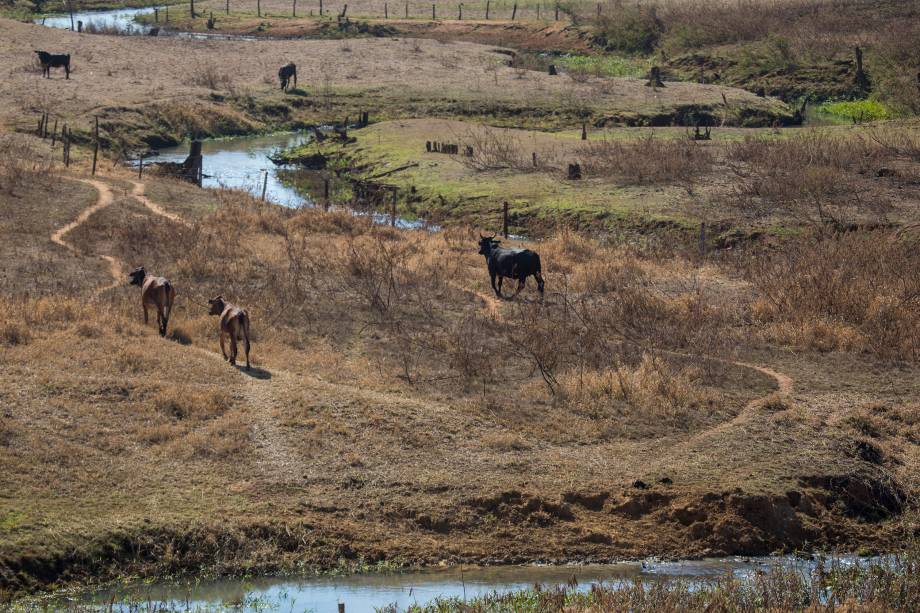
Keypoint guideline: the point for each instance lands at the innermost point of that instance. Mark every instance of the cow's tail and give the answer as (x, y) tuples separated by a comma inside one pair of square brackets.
[(538, 273), (167, 308)]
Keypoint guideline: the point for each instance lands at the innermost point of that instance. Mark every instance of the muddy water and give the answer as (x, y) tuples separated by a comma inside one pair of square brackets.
[(367, 592)]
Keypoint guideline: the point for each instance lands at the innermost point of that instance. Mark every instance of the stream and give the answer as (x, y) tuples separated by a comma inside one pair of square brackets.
[(363, 593)]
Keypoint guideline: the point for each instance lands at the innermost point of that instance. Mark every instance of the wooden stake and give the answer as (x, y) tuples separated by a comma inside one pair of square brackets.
[(227, 7), (514, 11), (703, 239), (488, 2), (95, 156), (432, 13), (460, 9), (264, 185), (584, 131), (140, 167), (320, 8), (557, 12), (407, 10), (258, 8), (505, 219), (54, 133), (294, 10), (386, 11), (156, 15), (167, 13), (392, 225), (192, 8)]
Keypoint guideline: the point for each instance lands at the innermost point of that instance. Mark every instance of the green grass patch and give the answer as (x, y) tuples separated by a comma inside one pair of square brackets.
[(606, 65), (855, 111)]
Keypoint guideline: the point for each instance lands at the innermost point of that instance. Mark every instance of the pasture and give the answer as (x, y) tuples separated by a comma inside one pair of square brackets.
[(750, 391)]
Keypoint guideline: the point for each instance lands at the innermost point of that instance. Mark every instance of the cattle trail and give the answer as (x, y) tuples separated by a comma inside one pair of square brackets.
[(104, 199), (137, 192)]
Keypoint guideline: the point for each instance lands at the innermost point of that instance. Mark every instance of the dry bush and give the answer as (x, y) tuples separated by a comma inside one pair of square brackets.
[(815, 178), (643, 397), (498, 149), (855, 291), (210, 76), (647, 161)]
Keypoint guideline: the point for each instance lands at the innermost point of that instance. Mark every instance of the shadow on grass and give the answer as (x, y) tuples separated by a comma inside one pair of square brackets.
[(255, 372)]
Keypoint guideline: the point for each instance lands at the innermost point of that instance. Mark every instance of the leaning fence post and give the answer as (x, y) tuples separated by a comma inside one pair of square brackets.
[(703, 239), (514, 11), (488, 2), (584, 131), (460, 9), (505, 219), (96, 145)]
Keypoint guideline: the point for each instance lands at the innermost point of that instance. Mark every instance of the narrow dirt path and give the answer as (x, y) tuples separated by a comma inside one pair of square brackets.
[(138, 192), (104, 199)]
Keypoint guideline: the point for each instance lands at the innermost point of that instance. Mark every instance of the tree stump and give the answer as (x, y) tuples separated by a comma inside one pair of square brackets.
[(862, 82), (654, 77), (552, 70), (574, 172)]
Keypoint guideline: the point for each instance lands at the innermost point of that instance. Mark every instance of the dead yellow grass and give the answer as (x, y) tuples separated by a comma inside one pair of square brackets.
[(386, 377)]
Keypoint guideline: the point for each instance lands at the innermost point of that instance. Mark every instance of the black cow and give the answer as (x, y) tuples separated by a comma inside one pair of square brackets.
[(51, 60), (511, 263), (286, 73)]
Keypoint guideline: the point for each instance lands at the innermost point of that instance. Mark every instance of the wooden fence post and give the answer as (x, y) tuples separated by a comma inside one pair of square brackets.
[(514, 11), (386, 11), (584, 131), (156, 15), (703, 239), (140, 167), (264, 185), (167, 13), (258, 8), (192, 8), (326, 194), (392, 225), (407, 10), (460, 9), (54, 133), (433, 17), (294, 10), (320, 8), (488, 2), (70, 8), (557, 12), (341, 607), (505, 219), (96, 145)]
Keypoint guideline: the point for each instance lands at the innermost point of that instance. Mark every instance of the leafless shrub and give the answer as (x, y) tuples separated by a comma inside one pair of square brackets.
[(210, 76), (648, 161), (854, 291), (494, 149), (814, 178)]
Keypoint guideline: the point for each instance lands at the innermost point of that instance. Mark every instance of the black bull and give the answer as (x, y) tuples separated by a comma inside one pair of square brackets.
[(511, 263), (286, 73), (51, 60)]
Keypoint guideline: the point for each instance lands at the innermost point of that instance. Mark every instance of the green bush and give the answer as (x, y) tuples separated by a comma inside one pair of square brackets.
[(857, 111)]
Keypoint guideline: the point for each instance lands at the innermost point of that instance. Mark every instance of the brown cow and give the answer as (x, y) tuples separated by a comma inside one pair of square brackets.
[(234, 324), (155, 292)]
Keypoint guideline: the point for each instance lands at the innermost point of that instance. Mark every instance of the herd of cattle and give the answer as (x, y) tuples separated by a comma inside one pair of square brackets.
[(160, 294)]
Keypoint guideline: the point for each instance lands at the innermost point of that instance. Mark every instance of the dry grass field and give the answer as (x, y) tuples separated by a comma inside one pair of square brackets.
[(760, 397), (397, 411)]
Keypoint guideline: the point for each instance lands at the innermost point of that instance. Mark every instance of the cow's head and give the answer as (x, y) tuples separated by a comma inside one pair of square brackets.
[(137, 276), (216, 305), (486, 244)]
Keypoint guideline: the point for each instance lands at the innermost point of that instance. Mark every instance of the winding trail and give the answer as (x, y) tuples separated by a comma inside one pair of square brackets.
[(104, 199), (137, 192)]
